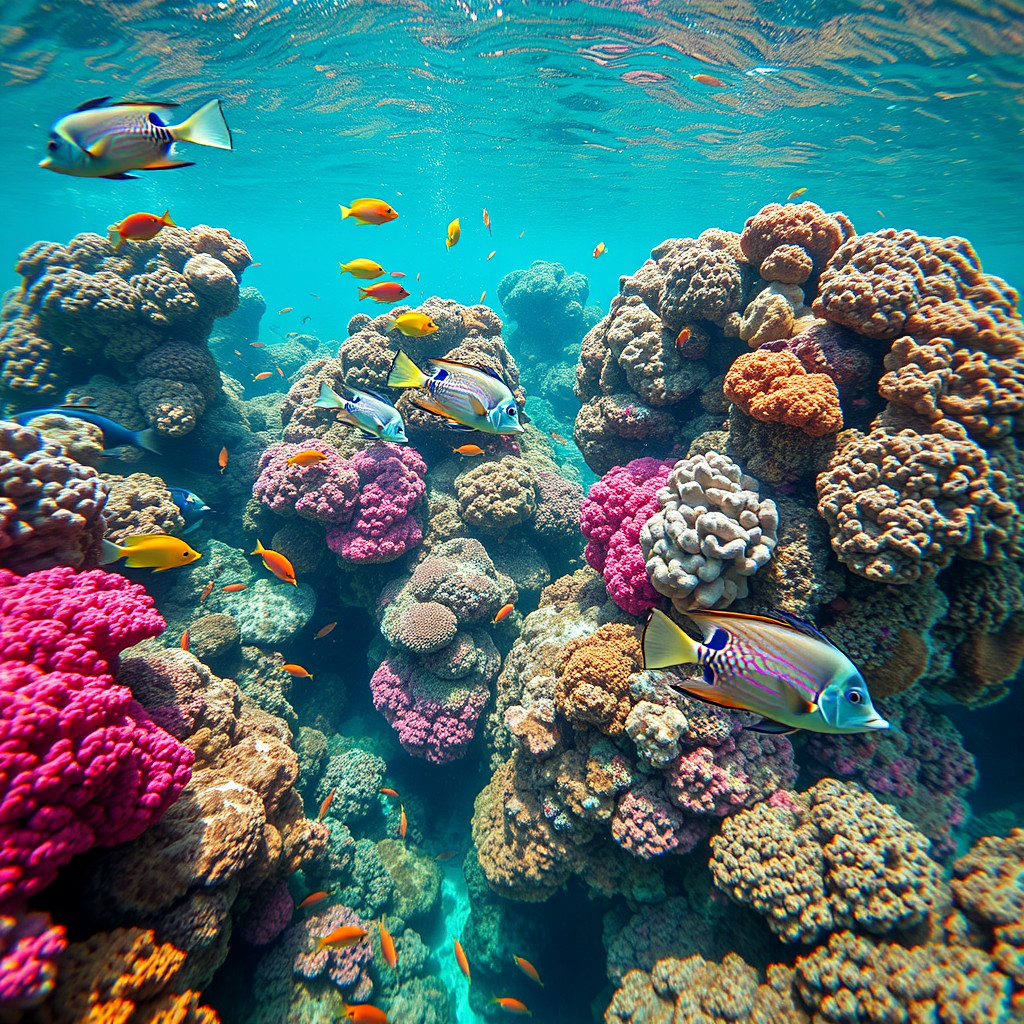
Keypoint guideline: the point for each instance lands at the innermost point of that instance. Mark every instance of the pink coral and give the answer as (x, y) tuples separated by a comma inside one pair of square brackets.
[(345, 967), (613, 513), (647, 824), (29, 948), (326, 491), (81, 762)]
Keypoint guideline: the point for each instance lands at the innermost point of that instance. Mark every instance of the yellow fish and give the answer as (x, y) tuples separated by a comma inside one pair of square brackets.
[(797, 192), (150, 551), (454, 233), (365, 270), (413, 325), (368, 211)]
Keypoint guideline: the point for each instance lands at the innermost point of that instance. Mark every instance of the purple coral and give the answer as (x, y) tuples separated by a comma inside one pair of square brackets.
[(326, 491), (345, 967)]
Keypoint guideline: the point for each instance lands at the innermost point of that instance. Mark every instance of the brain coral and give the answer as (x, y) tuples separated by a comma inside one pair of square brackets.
[(832, 858), (803, 225), (710, 533), (497, 495), (900, 505)]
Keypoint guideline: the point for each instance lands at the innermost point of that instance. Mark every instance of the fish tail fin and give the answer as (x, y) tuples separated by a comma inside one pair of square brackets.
[(329, 399), (149, 439), (166, 220), (259, 548), (114, 238), (206, 127), (664, 644), (390, 325), (344, 266), (405, 373), (364, 293), (110, 552), (345, 212)]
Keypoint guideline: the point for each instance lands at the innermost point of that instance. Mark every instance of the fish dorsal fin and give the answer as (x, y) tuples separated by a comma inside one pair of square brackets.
[(803, 626), (157, 104), (466, 366), (100, 101), (783, 621), (365, 392), (132, 542)]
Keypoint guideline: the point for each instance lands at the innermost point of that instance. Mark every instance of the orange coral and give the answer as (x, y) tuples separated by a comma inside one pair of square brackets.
[(805, 225), (774, 387)]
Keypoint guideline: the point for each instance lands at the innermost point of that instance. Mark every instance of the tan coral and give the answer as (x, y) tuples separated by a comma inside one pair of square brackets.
[(498, 494), (770, 315), (139, 504)]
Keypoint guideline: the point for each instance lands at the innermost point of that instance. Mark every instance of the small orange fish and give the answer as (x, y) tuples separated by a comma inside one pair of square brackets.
[(387, 946), (313, 899), (555, 436), (184, 640), (600, 249), (324, 630), (387, 791), (491, 254), (276, 563), (297, 670), (504, 610), (528, 969), (446, 855), (483, 295), (325, 805), (364, 1013), (487, 224), (207, 590), (342, 937), (222, 459), (279, 370), (234, 588), (460, 959), (510, 1005), (468, 449), (257, 344), (307, 457), (237, 353), (716, 83), (262, 376), (287, 309), (397, 273), (290, 334), (139, 227), (384, 291), (403, 822), (683, 337), (797, 192)]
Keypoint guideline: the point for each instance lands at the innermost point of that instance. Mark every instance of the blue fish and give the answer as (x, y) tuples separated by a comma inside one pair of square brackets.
[(191, 507), (114, 435), (372, 415)]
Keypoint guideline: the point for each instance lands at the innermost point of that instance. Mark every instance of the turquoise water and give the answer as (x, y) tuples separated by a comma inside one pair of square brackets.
[(571, 124)]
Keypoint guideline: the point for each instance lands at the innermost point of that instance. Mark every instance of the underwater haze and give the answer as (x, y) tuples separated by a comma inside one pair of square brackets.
[(536, 529)]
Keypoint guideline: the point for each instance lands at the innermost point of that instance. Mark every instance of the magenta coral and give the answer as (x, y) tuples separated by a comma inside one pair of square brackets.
[(435, 718), (612, 515), (81, 762), (326, 491), (29, 948)]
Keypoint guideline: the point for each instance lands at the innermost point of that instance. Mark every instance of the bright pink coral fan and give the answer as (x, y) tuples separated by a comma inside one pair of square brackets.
[(612, 515), (391, 485), (81, 762)]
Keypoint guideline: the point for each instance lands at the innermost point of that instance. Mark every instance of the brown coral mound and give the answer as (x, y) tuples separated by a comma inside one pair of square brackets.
[(140, 503), (497, 495), (806, 225), (774, 387), (699, 283)]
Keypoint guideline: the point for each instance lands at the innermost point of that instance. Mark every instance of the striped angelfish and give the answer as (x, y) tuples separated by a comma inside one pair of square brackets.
[(782, 669), (371, 414)]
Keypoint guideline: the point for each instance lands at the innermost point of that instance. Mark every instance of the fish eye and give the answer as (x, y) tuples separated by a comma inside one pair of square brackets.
[(854, 696), (511, 410), (52, 145)]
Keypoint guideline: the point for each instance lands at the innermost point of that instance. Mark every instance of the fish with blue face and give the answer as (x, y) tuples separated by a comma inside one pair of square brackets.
[(372, 415), (782, 669), (114, 434), (468, 397), (192, 508), (104, 139)]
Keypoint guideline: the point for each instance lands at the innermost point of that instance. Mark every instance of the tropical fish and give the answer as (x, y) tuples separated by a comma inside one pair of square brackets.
[(487, 222), (387, 946), (387, 791), (600, 249), (492, 254), (469, 397), (385, 291), (276, 563), (412, 325), (257, 344), (101, 139), (139, 227), (192, 508), (262, 376), (397, 273), (365, 270), (325, 804), (454, 233), (682, 337), (795, 193), (237, 353), (342, 937), (222, 459), (503, 611), (313, 295), (446, 855), (373, 415), (114, 435), (880, 214), (364, 1013), (403, 821), (483, 295), (286, 309), (716, 83), (184, 640), (528, 969), (468, 449), (307, 457), (157, 551), (207, 591), (280, 372), (313, 899), (510, 1005), (234, 588), (368, 211), (460, 959), (558, 438), (324, 630), (297, 670), (783, 669)]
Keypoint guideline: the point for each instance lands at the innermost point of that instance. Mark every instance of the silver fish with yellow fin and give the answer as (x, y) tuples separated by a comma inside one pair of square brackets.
[(782, 669), (101, 139), (371, 414)]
